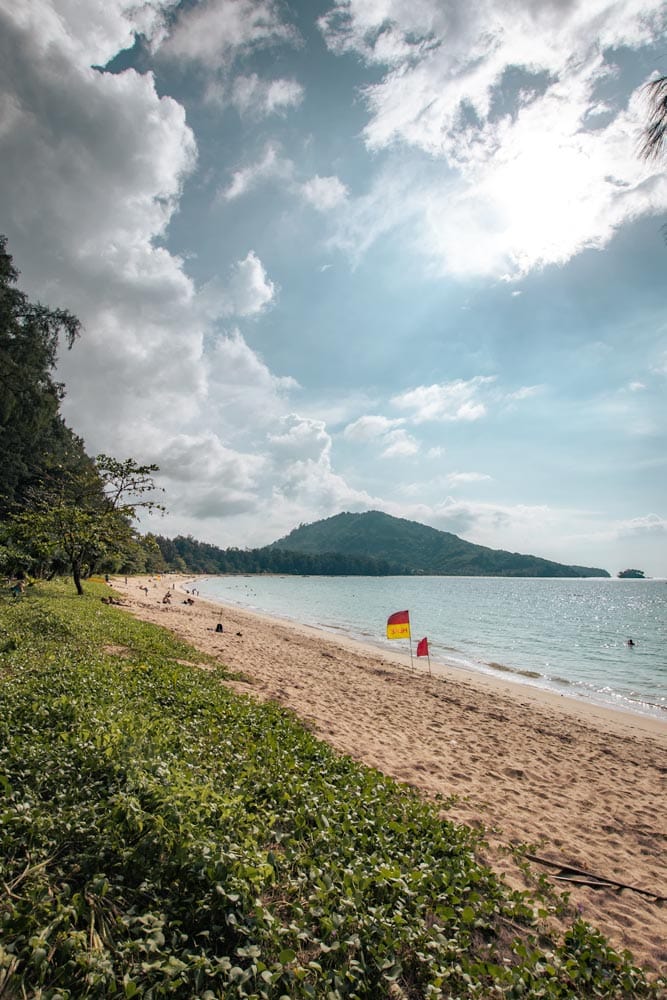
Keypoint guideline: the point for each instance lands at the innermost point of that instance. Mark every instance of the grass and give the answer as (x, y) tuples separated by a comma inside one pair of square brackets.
[(161, 836)]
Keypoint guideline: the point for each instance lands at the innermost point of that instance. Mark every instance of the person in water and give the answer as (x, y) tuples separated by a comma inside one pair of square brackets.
[(630, 642)]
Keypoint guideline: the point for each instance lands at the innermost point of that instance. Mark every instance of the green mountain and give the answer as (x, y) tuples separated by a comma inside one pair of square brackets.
[(417, 548)]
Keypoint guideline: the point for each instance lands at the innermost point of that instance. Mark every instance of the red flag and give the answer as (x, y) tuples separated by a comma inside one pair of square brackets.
[(422, 647), (398, 625)]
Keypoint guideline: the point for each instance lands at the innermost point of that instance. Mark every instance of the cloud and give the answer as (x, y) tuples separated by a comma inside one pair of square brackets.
[(313, 490), (399, 444), (94, 165), (450, 401), (529, 529), (522, 171), (301, 439), (464, 478), (457, 55), (271, 166), (93, 39), (259, 98), (370, 427), (215, 32), (247, 292), (525, 392), (661, 367), (206, 479), (651, 525), (112, 175), (244, 399), (324, 193), (394, 441), (250, 290)]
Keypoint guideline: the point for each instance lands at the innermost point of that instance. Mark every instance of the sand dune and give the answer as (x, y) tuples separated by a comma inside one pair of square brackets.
[(584, 785)]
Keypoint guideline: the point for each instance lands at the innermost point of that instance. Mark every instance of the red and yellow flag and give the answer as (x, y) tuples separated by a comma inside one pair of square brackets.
[(398, 625)]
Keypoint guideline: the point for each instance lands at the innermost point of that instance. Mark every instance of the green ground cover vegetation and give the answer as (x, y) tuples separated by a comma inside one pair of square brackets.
[(162, 836)]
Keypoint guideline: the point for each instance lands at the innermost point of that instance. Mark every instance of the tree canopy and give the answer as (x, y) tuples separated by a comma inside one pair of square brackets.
[(34, 440), (59, 508)]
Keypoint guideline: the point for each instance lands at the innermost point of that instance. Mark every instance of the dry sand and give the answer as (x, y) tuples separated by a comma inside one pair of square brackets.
[(583, 784)]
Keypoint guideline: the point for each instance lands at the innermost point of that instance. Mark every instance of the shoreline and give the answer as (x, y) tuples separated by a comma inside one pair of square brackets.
[(506, 679), (584, 785)]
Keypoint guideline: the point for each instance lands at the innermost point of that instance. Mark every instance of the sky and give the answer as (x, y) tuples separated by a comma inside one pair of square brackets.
[(349, 255)]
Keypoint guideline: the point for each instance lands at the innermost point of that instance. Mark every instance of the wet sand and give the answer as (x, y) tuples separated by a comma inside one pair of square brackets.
[(584, 785)]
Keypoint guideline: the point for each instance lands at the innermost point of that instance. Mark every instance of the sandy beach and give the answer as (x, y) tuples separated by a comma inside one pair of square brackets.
[(585, 786)]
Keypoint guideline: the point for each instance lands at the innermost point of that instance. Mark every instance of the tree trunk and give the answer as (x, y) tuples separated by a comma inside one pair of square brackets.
[(76, 574)]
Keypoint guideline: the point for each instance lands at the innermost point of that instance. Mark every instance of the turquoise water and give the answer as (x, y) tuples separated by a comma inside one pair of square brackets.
[(568, 636)]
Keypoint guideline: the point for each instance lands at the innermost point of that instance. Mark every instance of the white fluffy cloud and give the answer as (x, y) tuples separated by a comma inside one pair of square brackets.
[(248, 291), (464, 478), (108, 181), (272, 166), (649, 525), (301, 439), (206, 479), (214, 32), (449, 401), (107, 27), (370, 427), (527, 166), (324, 193), (93, 168), (389, 433), (257, 97), (244, 398), (399, 444)]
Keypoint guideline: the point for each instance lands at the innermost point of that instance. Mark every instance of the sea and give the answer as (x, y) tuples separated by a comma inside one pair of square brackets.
[(564, 635)]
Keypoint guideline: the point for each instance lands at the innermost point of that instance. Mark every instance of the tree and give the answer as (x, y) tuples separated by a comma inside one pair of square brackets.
[(654, 141), (79, 518), (60, 508), (34, 440)]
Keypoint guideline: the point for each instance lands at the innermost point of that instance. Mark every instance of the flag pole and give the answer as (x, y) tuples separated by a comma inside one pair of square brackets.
[(412, 664)]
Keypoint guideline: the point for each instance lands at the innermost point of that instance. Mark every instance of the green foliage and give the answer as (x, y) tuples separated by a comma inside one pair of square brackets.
[(58, 508), (160, 836), (186, 555), (370, 544), (631, 574), (34, 440), (419, 548), (82, 517)]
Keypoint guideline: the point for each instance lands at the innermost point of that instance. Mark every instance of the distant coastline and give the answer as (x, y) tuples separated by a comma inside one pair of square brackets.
[(368, 544)]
